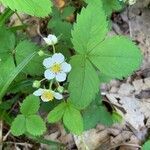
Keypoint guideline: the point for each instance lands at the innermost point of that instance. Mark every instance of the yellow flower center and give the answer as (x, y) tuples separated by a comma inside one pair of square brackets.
[(56, 68), (48, 95)]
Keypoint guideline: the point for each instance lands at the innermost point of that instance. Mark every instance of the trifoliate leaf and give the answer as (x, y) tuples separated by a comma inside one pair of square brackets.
[(90, 29), (57, 113), (84, 82), (23, 49), (30, 105), (116, 57), (73, 120), (18, 126), (146, 145), (7, 40), (35, 125), (39, 8)]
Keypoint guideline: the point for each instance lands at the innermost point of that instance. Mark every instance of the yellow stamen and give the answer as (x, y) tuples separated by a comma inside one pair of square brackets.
[(48, 95), (56, 68)]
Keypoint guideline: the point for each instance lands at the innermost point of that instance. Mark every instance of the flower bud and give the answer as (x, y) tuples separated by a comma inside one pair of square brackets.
[(36, 84), (50, 39), (60, 89), (41, 53)]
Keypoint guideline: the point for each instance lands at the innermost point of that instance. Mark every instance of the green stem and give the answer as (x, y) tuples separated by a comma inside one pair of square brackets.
[(45, 141), (19, 18), (42, 79), (54, 50), (50, 85)]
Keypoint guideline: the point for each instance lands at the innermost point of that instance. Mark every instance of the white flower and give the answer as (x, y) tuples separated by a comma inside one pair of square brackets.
[(50, 39), (56, 67), (47, 95)]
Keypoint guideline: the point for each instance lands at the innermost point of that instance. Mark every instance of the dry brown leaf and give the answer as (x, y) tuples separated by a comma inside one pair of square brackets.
[(59, 3)]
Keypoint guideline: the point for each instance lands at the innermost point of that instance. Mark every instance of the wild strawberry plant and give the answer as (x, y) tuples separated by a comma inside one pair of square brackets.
[(63, 83)]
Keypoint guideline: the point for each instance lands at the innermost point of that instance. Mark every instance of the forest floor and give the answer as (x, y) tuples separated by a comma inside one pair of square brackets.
[(130, 97)]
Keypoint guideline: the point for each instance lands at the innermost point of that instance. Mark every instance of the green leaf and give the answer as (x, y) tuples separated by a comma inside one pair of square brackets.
[(112, 6), (6, 105), (50, 144), (35, 125), (146, 145), (25, 48), (96, 113), (113, 57), (104, 78), (117, 118), (23, 86), (116, 57), (7, 40), (109, 5), (57, 113), (10, 72), (6, 117), (8, 61), (40, 8), (84, 82), (90, 29), (61, 27), (67, 11), (18, 126), (30, 105), (5, 16), (73, 120)]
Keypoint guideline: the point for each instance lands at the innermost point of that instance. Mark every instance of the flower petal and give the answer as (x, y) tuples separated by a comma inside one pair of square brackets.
[(58, 58), (44, 99), (38, 92), (66, 67), (48, 62), (60, 77), (49, 75), (52, 38), (58, 95), (47, 41)]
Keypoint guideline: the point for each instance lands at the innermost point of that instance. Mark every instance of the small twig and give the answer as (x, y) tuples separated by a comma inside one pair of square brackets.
[(83, 141), (38, 31), (22, 144), (5, 137), (125, 144), (1, 134), (19, 18), (129, 22)]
